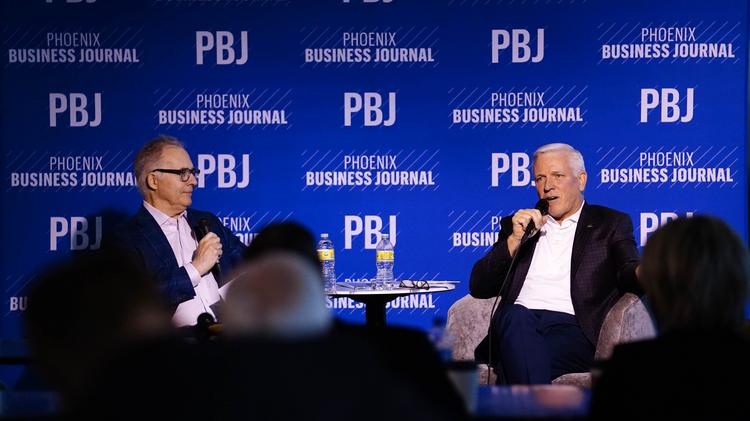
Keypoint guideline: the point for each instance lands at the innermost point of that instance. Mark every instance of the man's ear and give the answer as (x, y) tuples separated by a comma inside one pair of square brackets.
[(582, 177), (151, 182)]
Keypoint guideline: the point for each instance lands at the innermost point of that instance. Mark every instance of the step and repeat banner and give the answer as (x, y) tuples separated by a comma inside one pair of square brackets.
[(363, 117)]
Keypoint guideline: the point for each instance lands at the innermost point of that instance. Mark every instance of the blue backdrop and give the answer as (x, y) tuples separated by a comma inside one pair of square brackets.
[(360, 117)]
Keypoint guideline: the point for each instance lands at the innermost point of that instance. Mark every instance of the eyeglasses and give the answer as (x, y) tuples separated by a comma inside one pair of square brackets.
[(407, 283), (184, 173)]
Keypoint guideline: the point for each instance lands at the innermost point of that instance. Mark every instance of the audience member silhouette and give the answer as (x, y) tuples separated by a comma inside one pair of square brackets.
[(284, 236), (695, 272), (281, 357), (404, 352), (279, 294), (86, 312)]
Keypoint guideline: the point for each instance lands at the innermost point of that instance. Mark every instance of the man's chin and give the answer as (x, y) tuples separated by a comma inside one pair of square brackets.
[(554, 214)]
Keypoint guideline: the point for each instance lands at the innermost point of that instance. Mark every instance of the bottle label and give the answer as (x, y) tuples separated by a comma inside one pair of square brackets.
[(384, 255), (325, 255)]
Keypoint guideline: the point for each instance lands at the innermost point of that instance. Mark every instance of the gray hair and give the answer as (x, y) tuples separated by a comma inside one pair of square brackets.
[(575, 155), (148, 155), (279, 294)]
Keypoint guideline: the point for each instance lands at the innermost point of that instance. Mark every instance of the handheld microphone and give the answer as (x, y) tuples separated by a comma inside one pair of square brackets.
[(203, 327), (201, 231), (542, 206)]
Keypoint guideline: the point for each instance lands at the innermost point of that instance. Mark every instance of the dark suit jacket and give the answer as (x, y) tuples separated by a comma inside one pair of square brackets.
[(679, 375), (602, 267), (143, 240)]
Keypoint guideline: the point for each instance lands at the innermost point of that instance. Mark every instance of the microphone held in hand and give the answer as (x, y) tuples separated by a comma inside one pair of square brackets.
[(542, 206), (202, 228), (201, 231), (203, 332)]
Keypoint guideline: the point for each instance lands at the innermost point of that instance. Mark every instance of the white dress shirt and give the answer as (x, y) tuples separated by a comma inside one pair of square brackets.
[(547, 284), (180, 237)]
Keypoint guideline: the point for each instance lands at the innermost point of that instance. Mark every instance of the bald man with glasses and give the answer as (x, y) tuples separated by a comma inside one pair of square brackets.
[(169, 238)]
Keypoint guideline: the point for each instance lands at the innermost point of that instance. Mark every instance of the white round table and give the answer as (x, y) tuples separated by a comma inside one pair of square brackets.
[(375, 300)]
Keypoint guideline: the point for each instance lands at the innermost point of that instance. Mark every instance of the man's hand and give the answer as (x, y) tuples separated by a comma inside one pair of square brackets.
[(521, 220), (207, 254)]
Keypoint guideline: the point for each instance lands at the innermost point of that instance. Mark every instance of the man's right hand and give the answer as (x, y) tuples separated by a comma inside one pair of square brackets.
[(207, 254), (520, 221)]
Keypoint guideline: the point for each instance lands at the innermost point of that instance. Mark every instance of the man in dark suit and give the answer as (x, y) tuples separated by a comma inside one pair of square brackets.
[(564, 280), (166, 237)]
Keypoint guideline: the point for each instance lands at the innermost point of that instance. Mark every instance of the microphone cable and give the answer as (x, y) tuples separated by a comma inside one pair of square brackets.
[(543, 206), (492, 313)]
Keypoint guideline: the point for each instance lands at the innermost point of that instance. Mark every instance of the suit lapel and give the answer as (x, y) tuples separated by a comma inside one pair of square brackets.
[(584, 229), (154, 236)]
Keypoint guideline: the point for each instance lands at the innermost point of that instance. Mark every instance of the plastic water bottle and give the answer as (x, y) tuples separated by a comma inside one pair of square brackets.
[(328, 261), (384, 263)]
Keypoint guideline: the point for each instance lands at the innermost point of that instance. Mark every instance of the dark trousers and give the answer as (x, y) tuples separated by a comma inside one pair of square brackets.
[(537, 346)]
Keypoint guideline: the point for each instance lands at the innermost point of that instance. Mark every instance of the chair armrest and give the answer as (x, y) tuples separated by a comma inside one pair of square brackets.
[(627, 321), (468, 321)]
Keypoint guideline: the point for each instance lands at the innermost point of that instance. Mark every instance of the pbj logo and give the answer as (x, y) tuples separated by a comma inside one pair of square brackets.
[(668, 99), (371, 103), (225, 166), (518, 41), (223, 42), (371, 226), (77, 106), (517, 163), (651, 221), (82, 235)]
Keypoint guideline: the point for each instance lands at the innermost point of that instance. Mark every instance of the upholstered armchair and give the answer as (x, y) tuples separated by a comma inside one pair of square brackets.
[(469, 317)]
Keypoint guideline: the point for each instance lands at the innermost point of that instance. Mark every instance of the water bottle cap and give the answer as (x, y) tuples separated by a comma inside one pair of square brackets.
[(324, 235)]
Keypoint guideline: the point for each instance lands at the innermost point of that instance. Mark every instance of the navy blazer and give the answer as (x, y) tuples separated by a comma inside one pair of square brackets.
[(144, 241), (602, 267)]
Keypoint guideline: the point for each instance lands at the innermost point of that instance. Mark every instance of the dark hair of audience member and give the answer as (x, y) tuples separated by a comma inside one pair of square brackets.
[(84, 312), (695, 272), (284, 236)]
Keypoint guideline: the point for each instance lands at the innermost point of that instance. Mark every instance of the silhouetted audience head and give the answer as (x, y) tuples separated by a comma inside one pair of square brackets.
[(83, 312), (278, 294), (695, 272), (284, 236)]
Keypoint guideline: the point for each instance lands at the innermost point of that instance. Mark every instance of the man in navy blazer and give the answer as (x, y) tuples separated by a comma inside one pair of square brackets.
[(564, 280), (170, 240)]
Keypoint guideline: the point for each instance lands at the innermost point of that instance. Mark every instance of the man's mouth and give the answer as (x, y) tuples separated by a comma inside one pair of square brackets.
[(550, 198)]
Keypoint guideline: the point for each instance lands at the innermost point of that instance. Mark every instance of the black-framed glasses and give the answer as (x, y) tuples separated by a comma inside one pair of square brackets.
[(184, 173), (408, 283)]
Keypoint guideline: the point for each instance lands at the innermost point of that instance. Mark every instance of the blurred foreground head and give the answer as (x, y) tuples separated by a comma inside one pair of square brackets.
[(279, 294), (84, 312), (284, 236), (695, 272)]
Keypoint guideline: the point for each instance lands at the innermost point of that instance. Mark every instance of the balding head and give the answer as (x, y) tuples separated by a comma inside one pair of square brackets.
[(279, 294)]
